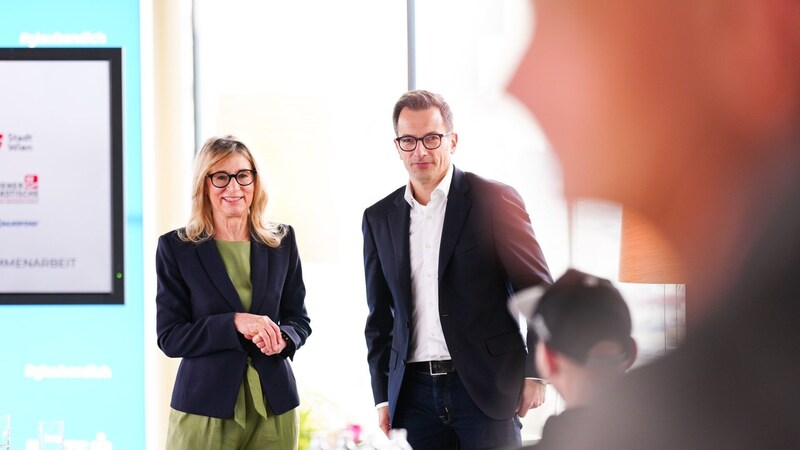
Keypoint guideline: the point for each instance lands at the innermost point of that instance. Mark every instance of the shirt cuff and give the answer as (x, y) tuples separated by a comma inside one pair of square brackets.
[(540, 380), (381, 405)]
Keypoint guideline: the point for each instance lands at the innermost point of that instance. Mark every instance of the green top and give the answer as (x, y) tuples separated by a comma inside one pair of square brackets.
[(236, 256)]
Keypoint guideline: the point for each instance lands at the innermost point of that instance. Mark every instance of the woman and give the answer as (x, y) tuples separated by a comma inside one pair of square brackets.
[(230, 302)]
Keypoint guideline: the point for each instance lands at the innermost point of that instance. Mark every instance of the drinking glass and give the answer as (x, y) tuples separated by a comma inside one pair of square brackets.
[(5, 431)]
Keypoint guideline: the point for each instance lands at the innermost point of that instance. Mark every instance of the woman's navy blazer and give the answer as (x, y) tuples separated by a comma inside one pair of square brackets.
[(196, 302)]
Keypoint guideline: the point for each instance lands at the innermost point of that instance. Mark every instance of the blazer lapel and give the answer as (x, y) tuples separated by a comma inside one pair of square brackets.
[(458, 206), (215, 268), (399, 225), (259, 274)]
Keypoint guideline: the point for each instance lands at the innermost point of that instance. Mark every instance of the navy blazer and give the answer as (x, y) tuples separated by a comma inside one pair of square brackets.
[(488, 251), (196, 302)]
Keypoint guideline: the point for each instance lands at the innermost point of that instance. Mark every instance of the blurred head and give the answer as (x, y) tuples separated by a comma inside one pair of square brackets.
[(639, 98), (580, 311), (220, 160), (584, 330), (423, 123)]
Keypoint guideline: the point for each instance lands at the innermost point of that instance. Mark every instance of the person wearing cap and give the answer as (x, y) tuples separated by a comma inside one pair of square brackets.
[(585, 344), (442, 254)]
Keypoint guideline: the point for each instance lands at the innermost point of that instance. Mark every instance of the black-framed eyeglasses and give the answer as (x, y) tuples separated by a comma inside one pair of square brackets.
[(430, 141), (244, 177)]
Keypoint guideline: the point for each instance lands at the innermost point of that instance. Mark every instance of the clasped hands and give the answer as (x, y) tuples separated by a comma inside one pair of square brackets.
[(262, 331)]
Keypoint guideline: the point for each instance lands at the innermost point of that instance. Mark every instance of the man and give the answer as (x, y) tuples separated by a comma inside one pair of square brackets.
[(689, 113), (441, 256), (585, 345)]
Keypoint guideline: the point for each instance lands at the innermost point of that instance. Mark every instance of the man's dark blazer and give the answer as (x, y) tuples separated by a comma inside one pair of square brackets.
[(487, 252), (196, 302)]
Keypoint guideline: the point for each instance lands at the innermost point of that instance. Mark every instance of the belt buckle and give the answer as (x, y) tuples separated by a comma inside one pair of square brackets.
[(431, 372)]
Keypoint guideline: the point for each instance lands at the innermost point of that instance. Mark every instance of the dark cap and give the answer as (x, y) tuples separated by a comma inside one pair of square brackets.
[(578, 311)]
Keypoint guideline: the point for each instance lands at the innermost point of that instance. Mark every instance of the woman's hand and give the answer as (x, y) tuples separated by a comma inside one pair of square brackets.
[(262, 331)]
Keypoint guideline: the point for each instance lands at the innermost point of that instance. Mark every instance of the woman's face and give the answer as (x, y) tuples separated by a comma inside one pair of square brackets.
[(234, 200)]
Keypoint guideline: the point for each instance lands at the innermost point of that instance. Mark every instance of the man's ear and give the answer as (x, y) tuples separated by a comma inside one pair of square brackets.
[(548, 361)]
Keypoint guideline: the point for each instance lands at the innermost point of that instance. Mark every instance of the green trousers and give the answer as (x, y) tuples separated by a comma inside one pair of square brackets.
[(252, 427)]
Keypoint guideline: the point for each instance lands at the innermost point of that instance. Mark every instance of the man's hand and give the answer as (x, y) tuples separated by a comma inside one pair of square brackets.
[(532, 396), (383, 420)]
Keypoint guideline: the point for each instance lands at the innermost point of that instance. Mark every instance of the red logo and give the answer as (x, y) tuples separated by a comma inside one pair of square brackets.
[(32, 182), (1, 140)]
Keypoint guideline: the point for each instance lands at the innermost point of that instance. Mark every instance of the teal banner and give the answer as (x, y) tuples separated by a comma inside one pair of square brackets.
[(79, 363)]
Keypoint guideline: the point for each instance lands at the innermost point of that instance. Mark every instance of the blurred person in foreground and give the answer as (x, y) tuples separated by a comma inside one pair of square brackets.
[(585, 345), (442, 254), (689, 113), (230, 302)]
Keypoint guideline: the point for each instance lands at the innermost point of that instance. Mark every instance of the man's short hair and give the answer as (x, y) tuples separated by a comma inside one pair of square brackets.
[(419, 100), (579, 311)]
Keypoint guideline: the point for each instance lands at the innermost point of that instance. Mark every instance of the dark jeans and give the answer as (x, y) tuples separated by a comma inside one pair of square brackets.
[(439, 414)]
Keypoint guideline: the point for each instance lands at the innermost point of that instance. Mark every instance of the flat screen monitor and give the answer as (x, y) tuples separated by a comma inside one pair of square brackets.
[(61, 211)]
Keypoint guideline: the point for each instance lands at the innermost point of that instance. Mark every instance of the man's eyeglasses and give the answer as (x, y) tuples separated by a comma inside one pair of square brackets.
[(244, 177), (430, 141)]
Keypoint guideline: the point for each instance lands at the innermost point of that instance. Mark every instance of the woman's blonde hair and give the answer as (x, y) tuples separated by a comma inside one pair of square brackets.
[(201, 223)]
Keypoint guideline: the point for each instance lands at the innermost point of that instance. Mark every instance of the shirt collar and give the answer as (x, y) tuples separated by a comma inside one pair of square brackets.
[(443, 187)]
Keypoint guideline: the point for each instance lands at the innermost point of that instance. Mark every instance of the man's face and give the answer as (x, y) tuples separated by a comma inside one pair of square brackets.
[(426, 167), (614, 85)]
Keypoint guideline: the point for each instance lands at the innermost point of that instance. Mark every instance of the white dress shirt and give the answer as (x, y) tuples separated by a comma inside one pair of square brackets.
[(425, 236), (427, 337)]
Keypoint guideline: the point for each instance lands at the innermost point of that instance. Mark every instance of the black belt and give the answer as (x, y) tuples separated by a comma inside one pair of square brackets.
[(432, 368)]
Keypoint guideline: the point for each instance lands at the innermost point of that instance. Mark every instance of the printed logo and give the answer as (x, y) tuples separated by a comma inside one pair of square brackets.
[(31, 182), (18, 223), (25, 191), (12, 142)]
